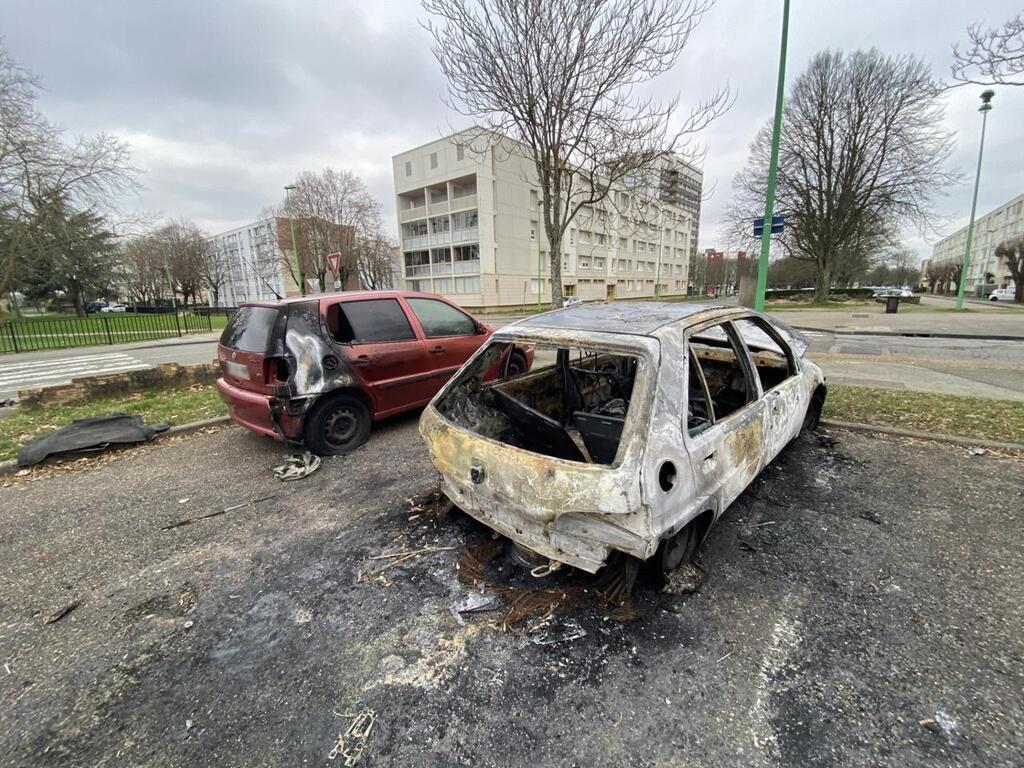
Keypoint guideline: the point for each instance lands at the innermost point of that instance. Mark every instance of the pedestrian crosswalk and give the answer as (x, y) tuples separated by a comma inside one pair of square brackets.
[(15, 375)]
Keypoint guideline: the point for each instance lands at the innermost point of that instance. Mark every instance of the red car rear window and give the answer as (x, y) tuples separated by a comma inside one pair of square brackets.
[(249, 329)]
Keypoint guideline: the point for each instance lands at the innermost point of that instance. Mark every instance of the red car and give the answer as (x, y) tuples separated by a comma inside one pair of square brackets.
[(320, 370)]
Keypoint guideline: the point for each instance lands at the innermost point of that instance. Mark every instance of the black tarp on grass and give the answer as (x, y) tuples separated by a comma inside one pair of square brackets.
[(92, 434)]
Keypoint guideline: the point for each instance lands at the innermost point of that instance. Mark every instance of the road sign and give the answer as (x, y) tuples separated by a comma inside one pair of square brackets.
[(778, 225), (334, 261)]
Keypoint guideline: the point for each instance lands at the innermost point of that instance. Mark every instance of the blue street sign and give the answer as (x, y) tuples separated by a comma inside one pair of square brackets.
[(778, 225)]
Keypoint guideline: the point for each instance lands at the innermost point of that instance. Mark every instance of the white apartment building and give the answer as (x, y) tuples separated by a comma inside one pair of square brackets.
[(254, 264), (469, 223), (990, 230)]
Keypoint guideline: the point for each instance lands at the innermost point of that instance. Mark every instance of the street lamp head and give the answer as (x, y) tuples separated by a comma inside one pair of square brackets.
[(289, 187), (986, 100)]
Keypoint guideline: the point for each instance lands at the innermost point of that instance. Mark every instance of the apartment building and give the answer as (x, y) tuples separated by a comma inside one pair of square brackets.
[(257, 256), (254, 259), (682, 185), (990, 230), (470, 228)]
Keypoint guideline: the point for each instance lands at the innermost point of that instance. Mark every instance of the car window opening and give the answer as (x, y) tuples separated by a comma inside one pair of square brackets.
[(726, 381), (573, 405), (772, 361)]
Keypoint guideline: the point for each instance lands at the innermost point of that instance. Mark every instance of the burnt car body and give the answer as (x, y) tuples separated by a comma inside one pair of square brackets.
[(637, 427), (321, 369)]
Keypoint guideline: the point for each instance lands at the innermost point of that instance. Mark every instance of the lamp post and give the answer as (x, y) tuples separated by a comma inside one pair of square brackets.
[(288, 189), (986, 106), (773, 167)]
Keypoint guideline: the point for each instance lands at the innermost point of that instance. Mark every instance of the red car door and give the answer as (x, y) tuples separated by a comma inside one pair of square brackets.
[(451, 336), (380, 345)]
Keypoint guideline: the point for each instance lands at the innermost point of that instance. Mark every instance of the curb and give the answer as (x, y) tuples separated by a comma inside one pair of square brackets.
[(10, 466), (967, 442), (913, 334)]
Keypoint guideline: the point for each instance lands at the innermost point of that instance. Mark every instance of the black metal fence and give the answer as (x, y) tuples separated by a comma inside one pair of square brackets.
[(96, 330)]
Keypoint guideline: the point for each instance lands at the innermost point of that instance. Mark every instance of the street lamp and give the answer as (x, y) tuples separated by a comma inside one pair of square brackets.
[(288, 189), (986, 105), (773, 166)]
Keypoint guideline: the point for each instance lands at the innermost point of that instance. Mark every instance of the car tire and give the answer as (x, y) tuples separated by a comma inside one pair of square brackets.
[(813, 415), (673, 552), (517, 364), (336, 425)]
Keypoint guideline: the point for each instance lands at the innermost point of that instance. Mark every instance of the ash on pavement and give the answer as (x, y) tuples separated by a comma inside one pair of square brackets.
[(859, 605)]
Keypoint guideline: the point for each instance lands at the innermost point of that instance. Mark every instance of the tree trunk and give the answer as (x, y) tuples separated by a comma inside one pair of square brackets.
[(822, 283), (79, 301), (216, 296), (15, 309)]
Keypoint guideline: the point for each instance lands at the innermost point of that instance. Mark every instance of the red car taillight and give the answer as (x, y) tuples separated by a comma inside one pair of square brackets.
[(276, 370)]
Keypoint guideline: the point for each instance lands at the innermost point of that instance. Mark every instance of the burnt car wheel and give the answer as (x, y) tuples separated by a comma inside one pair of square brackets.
[(813, 415), (337, 425), (673, 553), (517, 364)]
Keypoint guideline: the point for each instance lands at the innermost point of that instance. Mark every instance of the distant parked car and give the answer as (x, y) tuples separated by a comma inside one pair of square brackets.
[(95, 306), (320, 370), (882, 293), (114, 308), (1002, 294)]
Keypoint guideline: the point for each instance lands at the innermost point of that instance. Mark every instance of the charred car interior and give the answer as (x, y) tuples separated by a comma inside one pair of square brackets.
[(572, 406)]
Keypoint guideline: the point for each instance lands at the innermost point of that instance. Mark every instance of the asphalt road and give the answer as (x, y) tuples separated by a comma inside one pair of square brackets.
[(861, 605), (930, 364)]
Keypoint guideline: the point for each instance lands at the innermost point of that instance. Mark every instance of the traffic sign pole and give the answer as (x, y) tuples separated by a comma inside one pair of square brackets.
[(769, 203)]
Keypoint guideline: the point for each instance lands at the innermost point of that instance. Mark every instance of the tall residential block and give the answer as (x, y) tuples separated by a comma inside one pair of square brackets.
[(470, 228)]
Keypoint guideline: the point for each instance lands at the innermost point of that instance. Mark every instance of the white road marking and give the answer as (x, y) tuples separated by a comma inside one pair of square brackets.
[(15, 376)]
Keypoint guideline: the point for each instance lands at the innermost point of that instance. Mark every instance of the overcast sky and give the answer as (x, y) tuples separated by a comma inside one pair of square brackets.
[(224, 102)]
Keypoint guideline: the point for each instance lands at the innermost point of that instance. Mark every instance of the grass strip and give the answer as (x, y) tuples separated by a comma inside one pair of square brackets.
[(978, 417), (174, 406)]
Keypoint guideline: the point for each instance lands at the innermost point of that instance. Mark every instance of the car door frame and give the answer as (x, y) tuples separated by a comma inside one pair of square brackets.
[(716, 478), (412, 386), (442, 374), (785, 403)]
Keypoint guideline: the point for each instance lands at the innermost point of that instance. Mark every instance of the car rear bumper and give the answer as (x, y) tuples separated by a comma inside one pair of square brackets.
[(256, 412)]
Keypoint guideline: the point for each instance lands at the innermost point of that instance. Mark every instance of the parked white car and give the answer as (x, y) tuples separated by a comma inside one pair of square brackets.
[(637, 427), (114, 308), (1002, 294)]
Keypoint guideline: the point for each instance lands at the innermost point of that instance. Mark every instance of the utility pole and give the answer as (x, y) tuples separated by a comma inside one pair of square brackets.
[(986, 106), (295, 248), (661, 249), (773, 166)]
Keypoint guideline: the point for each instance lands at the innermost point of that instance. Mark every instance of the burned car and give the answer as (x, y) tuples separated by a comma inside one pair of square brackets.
[(320, 370), (636, 428)]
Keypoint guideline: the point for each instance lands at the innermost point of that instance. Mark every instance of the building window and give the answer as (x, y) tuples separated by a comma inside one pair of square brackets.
[(460, 152), (433, 160), (533, 230), (600, 239), (408, 168), (584, 264), (568, 290), (572, 237), (598, 263), (533, 198), (623, 243), (467, 285)]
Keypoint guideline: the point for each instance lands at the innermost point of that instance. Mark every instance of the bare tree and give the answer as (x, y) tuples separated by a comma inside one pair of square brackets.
[(375, 262), (39, 166), (1012, 252), (331, 211), (140, 269), (992, 56), (862, 154), (560, 78), (214, 269), (185, 248)]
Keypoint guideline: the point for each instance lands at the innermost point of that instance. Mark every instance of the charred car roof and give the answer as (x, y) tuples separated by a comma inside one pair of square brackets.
[(637, 318)]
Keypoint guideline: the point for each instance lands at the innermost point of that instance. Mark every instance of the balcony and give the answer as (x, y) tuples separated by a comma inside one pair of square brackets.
[(417, 270), (464, 235), (411, 214), (464, 202), (414, 242), (441, 238), (467, 267), (443, 268)]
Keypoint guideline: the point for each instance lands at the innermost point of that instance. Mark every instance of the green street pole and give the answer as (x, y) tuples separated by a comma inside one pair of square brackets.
[(295, 248), (540, 263), (986, 105), (773, 166)]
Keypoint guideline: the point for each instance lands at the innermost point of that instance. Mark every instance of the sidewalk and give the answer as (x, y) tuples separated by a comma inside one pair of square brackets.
[(907, 322), (19, 358)]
